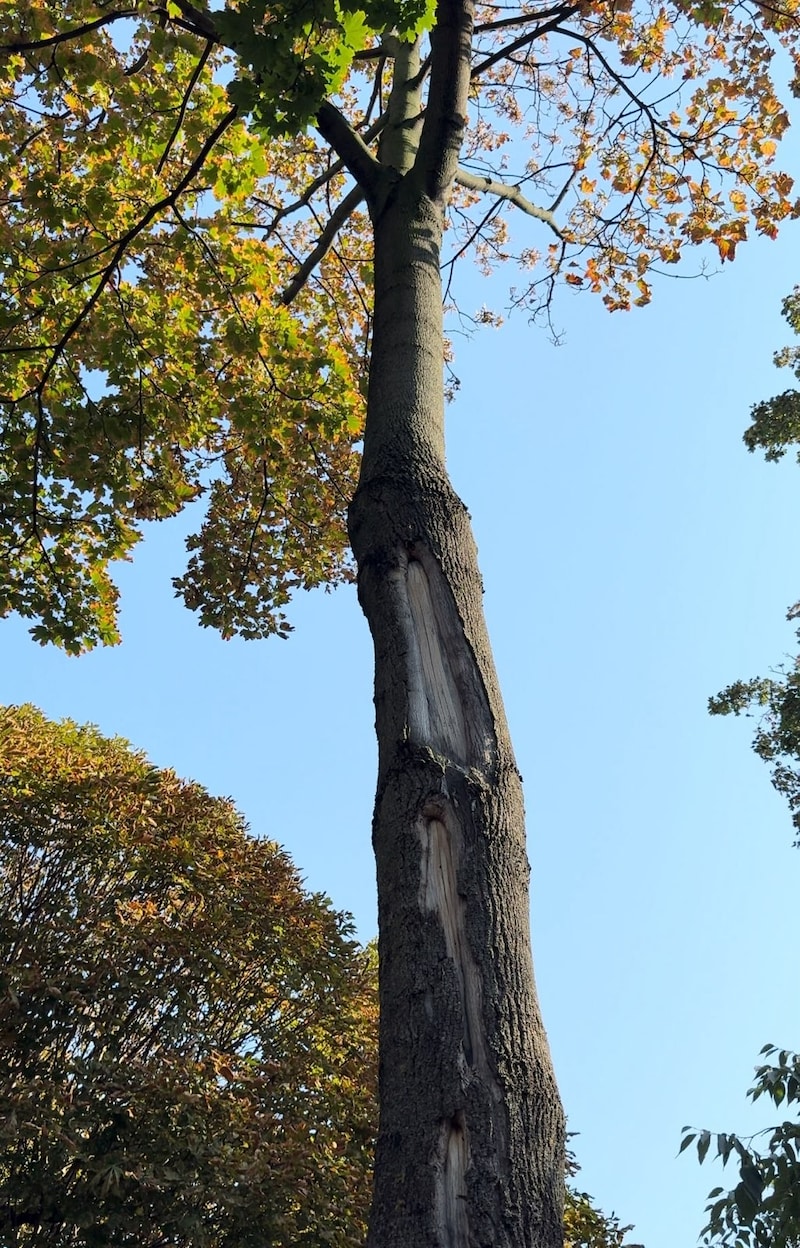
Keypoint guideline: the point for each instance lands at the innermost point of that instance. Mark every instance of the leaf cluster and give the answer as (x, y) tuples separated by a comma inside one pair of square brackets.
[(776, 422), (144, 360), (776, 700), (586, 1226), (187, 1037), (292, 56), (764, 1206)]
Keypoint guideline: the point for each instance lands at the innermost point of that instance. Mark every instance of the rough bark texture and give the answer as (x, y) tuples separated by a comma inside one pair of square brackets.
[(471, 1141)]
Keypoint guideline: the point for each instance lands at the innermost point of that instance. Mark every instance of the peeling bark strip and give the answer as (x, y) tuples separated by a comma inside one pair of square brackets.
[(470, 1143)]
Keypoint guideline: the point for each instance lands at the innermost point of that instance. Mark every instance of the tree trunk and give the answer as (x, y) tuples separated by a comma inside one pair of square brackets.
[(471, 1141)]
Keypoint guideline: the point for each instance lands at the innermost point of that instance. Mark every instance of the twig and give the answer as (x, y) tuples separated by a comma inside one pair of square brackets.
[(196, 72)]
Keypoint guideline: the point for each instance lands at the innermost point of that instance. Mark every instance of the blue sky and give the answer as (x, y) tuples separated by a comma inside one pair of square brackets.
[(636, 559)]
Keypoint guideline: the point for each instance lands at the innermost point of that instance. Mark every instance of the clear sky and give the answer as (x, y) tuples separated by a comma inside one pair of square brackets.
[(636, 559)]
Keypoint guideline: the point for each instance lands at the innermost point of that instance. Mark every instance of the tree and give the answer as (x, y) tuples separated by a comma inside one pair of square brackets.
[(191, 305), (775, 699), (764, 1207), (188, 1041), (187, 1037)]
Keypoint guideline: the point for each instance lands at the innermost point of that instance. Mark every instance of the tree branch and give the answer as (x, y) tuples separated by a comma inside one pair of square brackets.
[(559, 11), (200, 21), (196, 72), (64, 36), (446, 114), (399, 141), (317, 183), (476, 182), (357, 158), (376, 95), (524, 40), (340, 215)]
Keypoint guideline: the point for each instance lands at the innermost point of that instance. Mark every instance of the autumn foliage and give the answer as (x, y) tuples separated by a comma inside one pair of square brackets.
[(187, 1037), (186, 304)]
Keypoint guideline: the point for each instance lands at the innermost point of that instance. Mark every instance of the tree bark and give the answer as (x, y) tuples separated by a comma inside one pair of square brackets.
[(471, 1141)]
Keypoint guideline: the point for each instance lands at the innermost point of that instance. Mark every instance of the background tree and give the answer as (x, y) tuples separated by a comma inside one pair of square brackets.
[(190, 307), (187, 1037), (764, 1207), (188, 1040), (586, 1226), (775, 428)]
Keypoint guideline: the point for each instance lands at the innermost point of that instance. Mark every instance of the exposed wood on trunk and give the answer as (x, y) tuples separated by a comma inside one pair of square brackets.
[(436, 715), (452, 1220)]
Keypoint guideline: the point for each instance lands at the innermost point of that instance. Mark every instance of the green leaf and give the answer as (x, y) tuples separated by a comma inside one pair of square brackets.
[(703, 1143)]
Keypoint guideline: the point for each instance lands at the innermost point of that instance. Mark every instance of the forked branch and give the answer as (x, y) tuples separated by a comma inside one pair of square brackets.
[(340, 215), (336, 130), (487, 186)]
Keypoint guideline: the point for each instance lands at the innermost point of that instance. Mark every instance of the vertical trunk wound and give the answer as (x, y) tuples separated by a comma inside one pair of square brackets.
[(436, 717), (450, 717), (440, 838), (438, 720), (451, 1192), (439, 895)]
